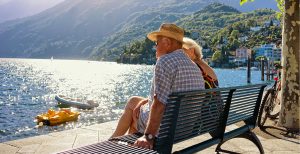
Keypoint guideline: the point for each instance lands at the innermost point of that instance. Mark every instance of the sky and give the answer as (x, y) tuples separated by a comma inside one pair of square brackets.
[(12, 9), (3, 1), (250, 6)]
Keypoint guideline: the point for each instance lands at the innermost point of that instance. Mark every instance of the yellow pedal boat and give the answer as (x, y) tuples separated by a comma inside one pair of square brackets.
[(53, 118)]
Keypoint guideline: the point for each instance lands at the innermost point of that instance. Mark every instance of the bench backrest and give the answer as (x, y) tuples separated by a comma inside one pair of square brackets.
[(245, 105), (190, 114)]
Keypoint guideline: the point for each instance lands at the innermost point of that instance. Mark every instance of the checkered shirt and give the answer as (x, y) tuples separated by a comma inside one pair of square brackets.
[(173, 72)]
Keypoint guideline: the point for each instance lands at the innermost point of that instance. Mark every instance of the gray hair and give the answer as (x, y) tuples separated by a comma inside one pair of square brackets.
[(189, 43)]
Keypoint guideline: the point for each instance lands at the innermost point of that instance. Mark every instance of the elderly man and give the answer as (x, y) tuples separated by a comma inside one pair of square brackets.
[(174, 71)]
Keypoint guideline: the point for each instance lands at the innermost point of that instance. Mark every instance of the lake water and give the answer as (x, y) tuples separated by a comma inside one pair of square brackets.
[(28, 87)]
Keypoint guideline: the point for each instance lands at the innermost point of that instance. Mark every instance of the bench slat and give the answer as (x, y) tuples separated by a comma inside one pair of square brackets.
[(108, 147), (242, 99), (246, 90), (241, 116), (196, 113), (241, 107)]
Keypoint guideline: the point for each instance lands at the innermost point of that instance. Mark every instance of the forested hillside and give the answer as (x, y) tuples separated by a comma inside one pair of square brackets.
[(220, 29)]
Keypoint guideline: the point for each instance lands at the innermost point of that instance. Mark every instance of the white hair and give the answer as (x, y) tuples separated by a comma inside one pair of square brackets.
[(189, 43)]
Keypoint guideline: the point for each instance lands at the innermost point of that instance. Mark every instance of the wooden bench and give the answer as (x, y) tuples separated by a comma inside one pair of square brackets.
[(194, 113)]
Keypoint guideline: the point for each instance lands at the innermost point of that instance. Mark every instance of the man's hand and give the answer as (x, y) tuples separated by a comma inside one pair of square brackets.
[(143, 143)]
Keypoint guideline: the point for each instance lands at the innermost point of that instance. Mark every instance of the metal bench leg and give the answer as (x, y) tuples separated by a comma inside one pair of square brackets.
[(247, 135), (218, 149)]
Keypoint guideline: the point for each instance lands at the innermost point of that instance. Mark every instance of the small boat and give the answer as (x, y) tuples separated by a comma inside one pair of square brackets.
[(53, 118), (254, 69), (70, 102), (242, 68)]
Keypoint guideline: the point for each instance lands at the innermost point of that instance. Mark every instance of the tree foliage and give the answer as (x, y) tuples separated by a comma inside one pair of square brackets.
[(138, 52), (217, 57)]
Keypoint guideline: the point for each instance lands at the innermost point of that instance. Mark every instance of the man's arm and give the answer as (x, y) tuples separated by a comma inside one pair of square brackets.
[(156, 113)]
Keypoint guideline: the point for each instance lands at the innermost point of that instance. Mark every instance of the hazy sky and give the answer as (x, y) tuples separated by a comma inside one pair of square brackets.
[(250, 6), (3, 1), (46, 2), (12, 9)]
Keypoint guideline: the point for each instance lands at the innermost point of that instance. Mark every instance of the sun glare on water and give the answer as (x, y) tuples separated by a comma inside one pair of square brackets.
[(29, 86)]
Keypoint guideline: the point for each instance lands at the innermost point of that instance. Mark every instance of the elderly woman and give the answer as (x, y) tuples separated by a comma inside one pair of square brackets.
[(194, 51)]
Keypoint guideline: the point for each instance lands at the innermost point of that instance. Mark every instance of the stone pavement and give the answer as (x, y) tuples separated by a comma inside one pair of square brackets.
[(59, 141)]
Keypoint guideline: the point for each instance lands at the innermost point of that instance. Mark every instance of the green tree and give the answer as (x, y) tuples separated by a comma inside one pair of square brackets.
[(138, 52), (235, 34), (259, 58), (217, 57), (280, 5)]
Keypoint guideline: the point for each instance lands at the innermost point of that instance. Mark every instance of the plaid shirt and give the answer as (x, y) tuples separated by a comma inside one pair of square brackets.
[(174, 72)]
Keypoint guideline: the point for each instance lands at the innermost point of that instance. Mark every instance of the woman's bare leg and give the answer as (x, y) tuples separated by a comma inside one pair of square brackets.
[(133, 126), (127, 120)]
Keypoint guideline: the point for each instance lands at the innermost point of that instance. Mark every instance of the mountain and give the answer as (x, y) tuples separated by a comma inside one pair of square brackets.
[(70, 29), (82, 29)]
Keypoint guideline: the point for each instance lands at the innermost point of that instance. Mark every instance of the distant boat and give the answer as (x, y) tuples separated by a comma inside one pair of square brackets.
[(70, 102), (242, 68), (254, 68), (51, 58)]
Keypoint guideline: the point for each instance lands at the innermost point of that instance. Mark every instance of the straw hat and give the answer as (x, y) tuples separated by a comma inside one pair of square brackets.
[(167, 30)]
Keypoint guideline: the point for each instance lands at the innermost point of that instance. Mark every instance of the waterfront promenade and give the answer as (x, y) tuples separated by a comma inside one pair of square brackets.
[(272, 141)]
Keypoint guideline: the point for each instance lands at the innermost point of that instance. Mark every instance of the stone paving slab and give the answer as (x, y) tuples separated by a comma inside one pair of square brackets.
[(5, 148), (29, 141), (85, 139), (274, 145), (52, 147), (29, 148), (68, 139)]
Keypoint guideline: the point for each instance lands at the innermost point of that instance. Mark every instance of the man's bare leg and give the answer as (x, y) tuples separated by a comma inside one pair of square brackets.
[(127, 121)]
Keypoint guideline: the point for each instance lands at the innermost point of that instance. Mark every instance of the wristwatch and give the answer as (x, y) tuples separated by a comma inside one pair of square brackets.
[(149, 137)]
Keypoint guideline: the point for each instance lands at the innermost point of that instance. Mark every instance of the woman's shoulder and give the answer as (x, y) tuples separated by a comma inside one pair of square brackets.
[(207, 69)]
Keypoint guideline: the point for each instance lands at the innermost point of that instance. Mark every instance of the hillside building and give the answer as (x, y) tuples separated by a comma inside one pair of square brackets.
[(195, 34), (255, 29), (272, 22), (207, 53), (270, 51), (242, 52), (243, 38), (241, 55)]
